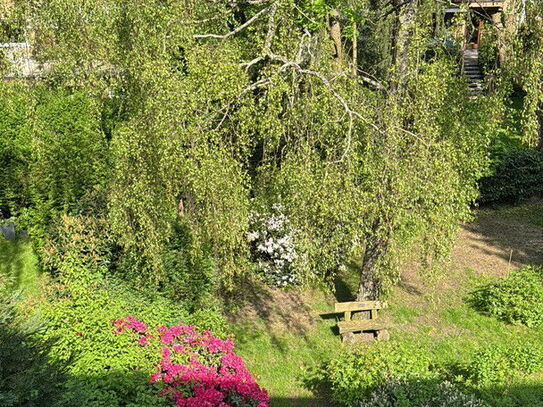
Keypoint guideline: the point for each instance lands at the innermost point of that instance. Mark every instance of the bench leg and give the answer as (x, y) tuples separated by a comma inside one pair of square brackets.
[(383, 335), (348, 337)]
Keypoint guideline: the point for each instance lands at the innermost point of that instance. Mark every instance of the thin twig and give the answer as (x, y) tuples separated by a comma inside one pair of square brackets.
[(240, 28)]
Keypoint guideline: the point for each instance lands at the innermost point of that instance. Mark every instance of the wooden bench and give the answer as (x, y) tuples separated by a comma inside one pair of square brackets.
[(365, 325)]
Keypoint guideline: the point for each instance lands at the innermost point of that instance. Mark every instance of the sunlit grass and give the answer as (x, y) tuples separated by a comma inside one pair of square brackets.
[(19, 263)]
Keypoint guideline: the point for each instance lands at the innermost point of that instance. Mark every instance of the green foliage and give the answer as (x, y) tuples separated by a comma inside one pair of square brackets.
[(28, 376), (203, 129), (517, 176), (79, 310), (529, 69), (516, 298), (488, 53), (354, 374), (192, 277), (501, 364), (15, 145), (68, 153), (420, 393), (398, 375)]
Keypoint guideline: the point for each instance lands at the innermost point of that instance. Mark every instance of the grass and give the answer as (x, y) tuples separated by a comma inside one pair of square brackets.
[(279, 361), (530, 213), (19, 263)]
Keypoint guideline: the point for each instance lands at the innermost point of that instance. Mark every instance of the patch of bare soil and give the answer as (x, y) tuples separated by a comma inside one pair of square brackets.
[(494, 246)]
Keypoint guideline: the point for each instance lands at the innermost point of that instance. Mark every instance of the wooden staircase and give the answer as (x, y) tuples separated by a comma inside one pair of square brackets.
[(473, 72)]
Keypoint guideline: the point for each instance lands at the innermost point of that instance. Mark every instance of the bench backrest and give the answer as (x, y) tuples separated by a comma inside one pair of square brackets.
[(359, 306)]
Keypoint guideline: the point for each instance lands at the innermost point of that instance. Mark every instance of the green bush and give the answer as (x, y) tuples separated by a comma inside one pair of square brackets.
[(517, 176), (498, 365), (419, 393), (82, 303), (355, 373), (488, 54), (517, 298), (14, 145)]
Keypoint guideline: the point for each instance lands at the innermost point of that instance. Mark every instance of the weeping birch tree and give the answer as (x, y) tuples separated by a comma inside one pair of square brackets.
[(335, 110)]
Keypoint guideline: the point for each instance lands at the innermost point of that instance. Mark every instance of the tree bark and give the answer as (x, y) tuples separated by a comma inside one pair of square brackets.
[(355, 49), (369, 287), (335, 35), (404, 35)]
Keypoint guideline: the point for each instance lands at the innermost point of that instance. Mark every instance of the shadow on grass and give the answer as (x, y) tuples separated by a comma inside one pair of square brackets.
[(272, 311), (11, 263), (27, 375), (346, 282), (300, 402)]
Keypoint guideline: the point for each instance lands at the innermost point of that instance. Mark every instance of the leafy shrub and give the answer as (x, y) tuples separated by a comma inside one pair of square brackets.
[(499, 364), (517, 298), (517, 176), (488, 53), (272, 239), (196, 369), (190, 275), (356, 373), (82, 302), (419, 393)]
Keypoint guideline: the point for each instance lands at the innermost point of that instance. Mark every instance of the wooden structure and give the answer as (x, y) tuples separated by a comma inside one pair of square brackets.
[(360, 322)]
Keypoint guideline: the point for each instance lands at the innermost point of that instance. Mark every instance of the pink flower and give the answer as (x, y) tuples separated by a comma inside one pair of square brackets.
[(210, 373)]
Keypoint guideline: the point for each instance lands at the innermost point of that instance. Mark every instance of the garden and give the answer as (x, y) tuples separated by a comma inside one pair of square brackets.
[(189, 188)]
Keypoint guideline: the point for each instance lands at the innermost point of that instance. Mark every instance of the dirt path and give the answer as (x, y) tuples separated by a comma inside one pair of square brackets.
[(493, 245)]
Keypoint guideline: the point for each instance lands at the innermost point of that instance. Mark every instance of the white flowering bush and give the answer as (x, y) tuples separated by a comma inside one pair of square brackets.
[(272, 241)]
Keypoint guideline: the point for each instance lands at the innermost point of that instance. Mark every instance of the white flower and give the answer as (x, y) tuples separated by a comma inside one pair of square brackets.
[(252, 236)]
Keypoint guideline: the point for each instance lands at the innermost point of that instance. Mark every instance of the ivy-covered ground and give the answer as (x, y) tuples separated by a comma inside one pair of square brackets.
[(281, 335)]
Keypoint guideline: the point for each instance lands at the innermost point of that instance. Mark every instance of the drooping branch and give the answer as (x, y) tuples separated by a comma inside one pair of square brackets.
[(296, 66), (241, 27)]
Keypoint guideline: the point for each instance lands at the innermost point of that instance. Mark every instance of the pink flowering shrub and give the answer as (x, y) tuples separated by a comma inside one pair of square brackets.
[(196, 369)]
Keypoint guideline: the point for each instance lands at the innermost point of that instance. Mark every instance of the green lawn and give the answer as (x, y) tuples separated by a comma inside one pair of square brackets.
[(19, 263), (286, 335)]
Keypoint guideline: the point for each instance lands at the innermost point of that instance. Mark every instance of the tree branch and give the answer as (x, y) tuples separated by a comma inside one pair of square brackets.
[(241, 27)]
